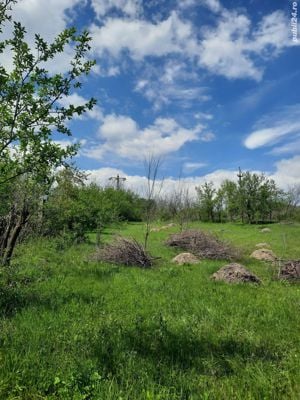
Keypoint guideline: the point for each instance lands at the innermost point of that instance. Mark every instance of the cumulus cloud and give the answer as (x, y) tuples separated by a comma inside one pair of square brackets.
[(233, 47), (286, 175), (287, 172), (130, 8), (120, 135), (230, 48), (138, 183), (48, 19), (142, 38), (283, 124)]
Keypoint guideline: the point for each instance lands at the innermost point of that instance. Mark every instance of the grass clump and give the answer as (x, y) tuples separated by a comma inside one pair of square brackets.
[(204, 245), (125, 251)]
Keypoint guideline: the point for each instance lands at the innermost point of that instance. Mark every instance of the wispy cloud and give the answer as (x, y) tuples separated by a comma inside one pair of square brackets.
[(175, 82), (189, 167), (275, 127)]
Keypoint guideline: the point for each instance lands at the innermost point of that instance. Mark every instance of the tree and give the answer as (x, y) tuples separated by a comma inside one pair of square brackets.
[(230, 199), (180, 205), (206, 194), (152, 165), (292, 202), (30, 108), (258, 197)]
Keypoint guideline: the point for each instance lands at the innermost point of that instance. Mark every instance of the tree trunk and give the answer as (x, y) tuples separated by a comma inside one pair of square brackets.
[(13, 237)]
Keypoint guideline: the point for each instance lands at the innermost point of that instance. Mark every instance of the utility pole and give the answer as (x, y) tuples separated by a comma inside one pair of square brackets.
[(241, 203), (118, 179), (240, 175)]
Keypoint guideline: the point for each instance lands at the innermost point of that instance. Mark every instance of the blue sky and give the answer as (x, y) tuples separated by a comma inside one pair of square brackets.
[(207, 85)]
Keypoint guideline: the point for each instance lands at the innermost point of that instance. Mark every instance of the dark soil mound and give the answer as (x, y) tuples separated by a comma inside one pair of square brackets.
[(290, 270), (203, 245), (125, 251), (235, 273)]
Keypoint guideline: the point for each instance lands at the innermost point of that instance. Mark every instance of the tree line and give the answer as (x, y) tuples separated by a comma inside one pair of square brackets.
[(255, 198)]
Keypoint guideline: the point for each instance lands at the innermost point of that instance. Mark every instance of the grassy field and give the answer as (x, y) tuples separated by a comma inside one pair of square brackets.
[(72, 328)]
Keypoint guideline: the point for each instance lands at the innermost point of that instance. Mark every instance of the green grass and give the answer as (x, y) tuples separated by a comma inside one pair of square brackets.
[(72, 328)]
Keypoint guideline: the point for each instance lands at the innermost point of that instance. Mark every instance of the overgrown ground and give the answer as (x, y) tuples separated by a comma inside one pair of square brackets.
[(72, 328)]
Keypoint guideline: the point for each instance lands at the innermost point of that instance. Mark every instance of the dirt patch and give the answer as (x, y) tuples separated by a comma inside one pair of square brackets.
[(235, 273), (163, 228), (124, 251), (265, 230), (263, 246), (203, 245), (155, 230), (290, 270), (185, 258), (264, 255)]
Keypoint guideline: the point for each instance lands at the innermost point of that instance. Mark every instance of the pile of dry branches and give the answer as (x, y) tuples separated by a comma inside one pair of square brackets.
[(126, 252), (290, 270), (203, 245)]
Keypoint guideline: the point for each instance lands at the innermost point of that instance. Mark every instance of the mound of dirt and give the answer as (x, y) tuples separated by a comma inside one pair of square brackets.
[(263, 246), (125, 251), (264, 255), (265, 230), (290, 270), (155, 230), (235, 273), (203, 245), (185, 258)]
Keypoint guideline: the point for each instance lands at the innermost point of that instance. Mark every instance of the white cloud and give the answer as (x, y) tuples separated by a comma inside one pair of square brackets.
[(174, 82), (287, 148), (77, 100), (223, 48), (120, 135), (275, 127), (287, 174), (138, 183), (131, 8), (271, 32), (47, 18), (142, 38), (269, 136), (189, 167), (230, 49), (213, 5)]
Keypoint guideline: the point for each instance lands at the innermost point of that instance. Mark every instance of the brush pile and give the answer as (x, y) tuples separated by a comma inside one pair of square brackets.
[(290, 270), (125, 251), (203, 245)]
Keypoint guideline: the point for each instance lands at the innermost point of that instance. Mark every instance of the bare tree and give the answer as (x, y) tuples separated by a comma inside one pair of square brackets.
[(181, 203), (153, 189)]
